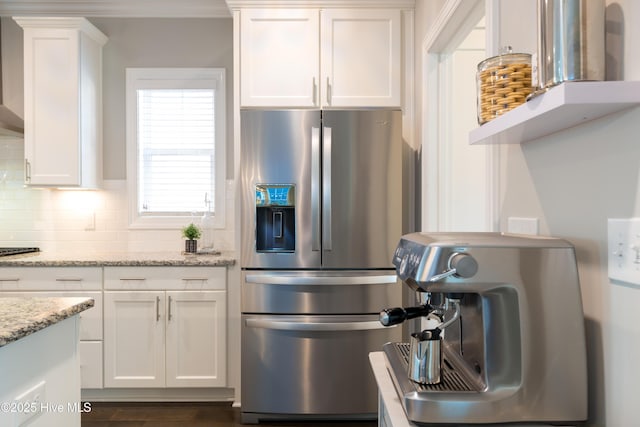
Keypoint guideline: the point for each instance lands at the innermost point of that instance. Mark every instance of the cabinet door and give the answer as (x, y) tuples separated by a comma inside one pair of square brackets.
[(62, 105), (279, 57), (196, 350), (51, 106), (90, 353), (361, 58), (134, 339)]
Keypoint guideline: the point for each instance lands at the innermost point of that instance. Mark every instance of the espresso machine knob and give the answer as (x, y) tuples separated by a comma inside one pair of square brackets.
[(459, 265), (464, 264)]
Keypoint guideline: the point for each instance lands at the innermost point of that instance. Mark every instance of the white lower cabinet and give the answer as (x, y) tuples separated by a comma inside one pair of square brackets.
[(66, 282), (150, 327), (90, 364), (164, 327), (195, 339)]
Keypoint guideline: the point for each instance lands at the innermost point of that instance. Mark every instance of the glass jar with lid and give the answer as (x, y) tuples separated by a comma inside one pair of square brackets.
[(503, 83)]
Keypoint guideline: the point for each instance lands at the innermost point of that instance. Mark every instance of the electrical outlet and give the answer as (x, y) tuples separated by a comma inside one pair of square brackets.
[(90, 224), (29, 404), (624, 250), (522, 225)]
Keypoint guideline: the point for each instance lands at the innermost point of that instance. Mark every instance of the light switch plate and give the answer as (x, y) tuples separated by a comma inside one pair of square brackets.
[(623, 250)]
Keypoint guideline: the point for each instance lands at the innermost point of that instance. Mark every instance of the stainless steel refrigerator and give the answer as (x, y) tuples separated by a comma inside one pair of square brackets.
[(322, 213)]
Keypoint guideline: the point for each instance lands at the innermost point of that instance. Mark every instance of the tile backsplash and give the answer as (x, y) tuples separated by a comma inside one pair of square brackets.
[(81, 221)]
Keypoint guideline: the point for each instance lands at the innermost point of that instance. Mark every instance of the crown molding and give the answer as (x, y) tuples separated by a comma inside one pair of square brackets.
[(75, 23), (316, 4), (117, 8), (175, 8)]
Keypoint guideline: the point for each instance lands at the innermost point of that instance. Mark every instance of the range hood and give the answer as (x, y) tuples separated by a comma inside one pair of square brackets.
[(12, 79)]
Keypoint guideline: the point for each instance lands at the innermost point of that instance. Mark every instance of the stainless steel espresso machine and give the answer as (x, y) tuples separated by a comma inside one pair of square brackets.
[(502, 331)]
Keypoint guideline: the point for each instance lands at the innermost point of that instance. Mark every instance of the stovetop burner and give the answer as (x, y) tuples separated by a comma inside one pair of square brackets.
[(16, 251)]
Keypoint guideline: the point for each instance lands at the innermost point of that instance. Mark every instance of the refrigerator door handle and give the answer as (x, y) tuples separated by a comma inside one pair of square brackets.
[(315, 326), (326, 188), (315, 189), (278, 279)]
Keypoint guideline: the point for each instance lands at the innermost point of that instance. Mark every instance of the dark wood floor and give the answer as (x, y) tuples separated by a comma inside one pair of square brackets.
[(184, 415)]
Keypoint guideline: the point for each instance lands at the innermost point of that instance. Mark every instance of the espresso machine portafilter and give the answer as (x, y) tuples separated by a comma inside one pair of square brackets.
[(501, 336)]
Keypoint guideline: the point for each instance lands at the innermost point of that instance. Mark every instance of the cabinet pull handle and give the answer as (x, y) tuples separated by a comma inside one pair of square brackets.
[(328, 91), (315, 92), (139, 279), (69, 279), (157, 309), (169, 310), (9, 279), (27, 170), (188, 279)]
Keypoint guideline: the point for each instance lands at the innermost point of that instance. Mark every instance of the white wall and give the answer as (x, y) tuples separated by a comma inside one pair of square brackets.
[(573, 181)]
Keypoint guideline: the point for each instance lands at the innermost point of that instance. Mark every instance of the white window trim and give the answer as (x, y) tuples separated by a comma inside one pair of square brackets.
[(151, 78)]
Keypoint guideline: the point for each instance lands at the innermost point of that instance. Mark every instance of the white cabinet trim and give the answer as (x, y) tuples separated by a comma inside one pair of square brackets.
[(436, 45)]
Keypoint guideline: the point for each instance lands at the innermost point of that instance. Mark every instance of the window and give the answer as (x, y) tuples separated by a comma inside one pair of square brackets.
[(175, 145)]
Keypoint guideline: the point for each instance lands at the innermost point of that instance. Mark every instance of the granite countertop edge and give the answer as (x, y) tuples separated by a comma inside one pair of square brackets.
[(23, 316), (117, 260)]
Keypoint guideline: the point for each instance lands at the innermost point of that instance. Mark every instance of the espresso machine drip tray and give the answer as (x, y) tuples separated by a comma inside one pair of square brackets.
[(454, 379)]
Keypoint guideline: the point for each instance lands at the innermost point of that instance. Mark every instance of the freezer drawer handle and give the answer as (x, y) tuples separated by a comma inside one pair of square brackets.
[(264, 279), (313, 326)]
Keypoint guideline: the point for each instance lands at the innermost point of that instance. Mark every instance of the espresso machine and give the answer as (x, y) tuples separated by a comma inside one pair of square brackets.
[(500, 337)]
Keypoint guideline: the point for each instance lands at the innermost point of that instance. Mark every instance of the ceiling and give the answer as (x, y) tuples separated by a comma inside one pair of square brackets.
[(117, 8)]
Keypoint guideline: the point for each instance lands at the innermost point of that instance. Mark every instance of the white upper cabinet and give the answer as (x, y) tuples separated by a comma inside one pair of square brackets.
[(63, 102), (360, 58), (279, 57), (328, 58)]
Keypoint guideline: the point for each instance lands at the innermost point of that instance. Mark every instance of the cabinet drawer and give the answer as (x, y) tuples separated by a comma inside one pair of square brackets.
[(90, 364), (90, 320), (50, 278), (165, 278)]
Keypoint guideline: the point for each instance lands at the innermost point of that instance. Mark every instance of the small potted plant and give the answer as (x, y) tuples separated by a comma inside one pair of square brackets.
[(192, 233)]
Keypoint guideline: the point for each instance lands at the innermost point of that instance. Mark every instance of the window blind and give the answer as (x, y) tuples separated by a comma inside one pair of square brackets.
[(176, 150)]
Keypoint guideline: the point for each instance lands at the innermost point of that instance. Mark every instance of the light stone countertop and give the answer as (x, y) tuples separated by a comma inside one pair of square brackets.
[(392, 412), (23, 316), (58, 259)]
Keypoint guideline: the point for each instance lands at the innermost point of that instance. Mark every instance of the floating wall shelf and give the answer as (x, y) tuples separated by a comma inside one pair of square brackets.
[(563, 106)]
